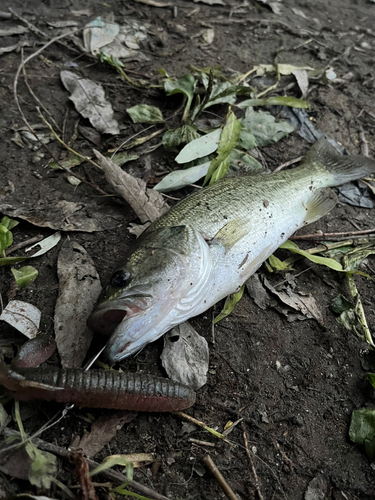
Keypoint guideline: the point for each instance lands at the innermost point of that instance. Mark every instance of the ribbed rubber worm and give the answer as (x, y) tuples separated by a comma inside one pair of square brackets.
[(97, 388)]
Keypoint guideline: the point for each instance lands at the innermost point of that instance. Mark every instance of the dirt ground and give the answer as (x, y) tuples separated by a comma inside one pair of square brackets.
[(294, 384)]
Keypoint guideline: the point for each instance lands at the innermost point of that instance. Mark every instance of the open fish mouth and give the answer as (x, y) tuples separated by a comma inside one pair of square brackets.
[(107, 317)]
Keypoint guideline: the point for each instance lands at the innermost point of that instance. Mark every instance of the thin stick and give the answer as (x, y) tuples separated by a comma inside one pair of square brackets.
[(219, 478), (114, 476), (201, 443), (290, 162), (203, 425), (256, 479), (33, 94), (31, 27), (86, 158), (324, 236), (23, 244)]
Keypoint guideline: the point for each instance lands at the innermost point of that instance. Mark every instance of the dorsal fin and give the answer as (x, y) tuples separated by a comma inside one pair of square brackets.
[(341, 167)]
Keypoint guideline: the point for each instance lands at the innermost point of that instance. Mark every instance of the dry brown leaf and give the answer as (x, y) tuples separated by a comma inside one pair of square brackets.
[(81, 473), (90, 101), (301, 302), (79, 289), (63, 215), (147, 203), (185, 356), (103, 430)]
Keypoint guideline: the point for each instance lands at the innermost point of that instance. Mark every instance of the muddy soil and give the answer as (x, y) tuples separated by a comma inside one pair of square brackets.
[(293, 384)]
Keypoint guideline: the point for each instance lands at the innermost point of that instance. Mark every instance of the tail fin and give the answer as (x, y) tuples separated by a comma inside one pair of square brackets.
[(342, 168)]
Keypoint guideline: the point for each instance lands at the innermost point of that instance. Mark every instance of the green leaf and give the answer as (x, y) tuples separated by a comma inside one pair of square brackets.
[(340, 304), (43, 466), (276, 264), (111, 462), (121, 490), (181, 178), (203, 146), (25, 275), (247, 140), (143, 113), (4, 417), (222, 92), (371, 378), (186, 86), (70, 162), (228, 140), (172, 138), (221, 170), (45, 245), (275, 101), (264, 127), (252, 165), (123, 157), (184, 134), (348, 319), (189, 133), (6, 238), (362, 430), (230, 302), (354, 259), (9, 223), (324, 261)]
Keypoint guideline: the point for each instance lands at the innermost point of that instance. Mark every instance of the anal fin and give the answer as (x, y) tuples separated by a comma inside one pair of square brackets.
[(321, 202)]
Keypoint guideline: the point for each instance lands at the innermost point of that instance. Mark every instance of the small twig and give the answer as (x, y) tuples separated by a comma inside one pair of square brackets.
[(232, 427), (137, 142), (170, 197), (23, 244), (219, 478), (256, 479), (364, 143), (86, 158), (203, 425), (33, 95), (31, 27), (201, 443), (293, 277), (110, 474), (287, 164), (325, 236)]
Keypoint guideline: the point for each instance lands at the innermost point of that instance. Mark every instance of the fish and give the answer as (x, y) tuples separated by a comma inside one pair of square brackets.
[(210, 243)]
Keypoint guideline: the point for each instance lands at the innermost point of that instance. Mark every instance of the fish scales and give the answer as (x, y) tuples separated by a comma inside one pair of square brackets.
[(206, 246)]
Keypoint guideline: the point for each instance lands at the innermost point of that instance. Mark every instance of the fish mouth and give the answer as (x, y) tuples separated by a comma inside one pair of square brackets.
[(109, 315)]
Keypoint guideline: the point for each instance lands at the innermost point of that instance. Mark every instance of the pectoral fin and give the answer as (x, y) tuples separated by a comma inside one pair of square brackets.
[(230, 234), (319, 205)]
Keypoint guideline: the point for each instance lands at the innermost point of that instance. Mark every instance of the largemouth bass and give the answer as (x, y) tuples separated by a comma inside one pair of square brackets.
[(210, 243)]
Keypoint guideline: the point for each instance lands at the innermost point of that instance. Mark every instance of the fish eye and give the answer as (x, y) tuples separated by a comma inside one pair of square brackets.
[(120, 279)]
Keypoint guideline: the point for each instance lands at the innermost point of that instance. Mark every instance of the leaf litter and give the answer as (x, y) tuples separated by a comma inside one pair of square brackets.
[(89, 100), (303, 70), (79, 288)]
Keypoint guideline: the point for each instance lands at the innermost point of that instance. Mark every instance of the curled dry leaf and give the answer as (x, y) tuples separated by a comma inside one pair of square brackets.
[(89, 100), (301, 302), (79, 289), (148, 204), (185, 356), (63, 215), (103, 430), (23, 316)]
